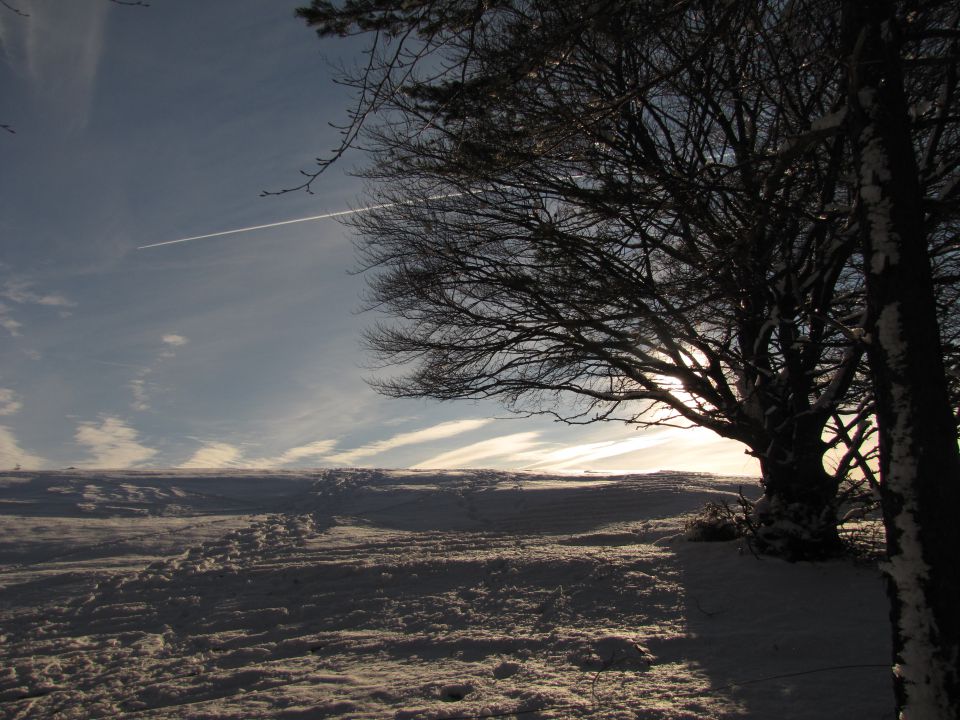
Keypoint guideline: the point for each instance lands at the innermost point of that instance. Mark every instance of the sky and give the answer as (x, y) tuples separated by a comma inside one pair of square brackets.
[(126, 126)]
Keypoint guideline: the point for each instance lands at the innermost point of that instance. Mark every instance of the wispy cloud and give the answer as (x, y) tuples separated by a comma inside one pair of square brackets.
[(12, 455), (587, 455), (430, 434), (683, 449), (59, 49), (141, 397), (21, 292), (700, 450), (9, 402), (172, 340), (140, 386), (317, 449), (215, 455), (696, 450), (8, 322), (175, 340), (505, 447), (111, 443)]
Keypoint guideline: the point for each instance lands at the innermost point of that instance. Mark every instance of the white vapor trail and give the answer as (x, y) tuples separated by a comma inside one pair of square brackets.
[(339, 213), (324, 216)]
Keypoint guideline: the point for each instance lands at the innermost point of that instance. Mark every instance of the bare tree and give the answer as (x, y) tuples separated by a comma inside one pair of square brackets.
[(621, 202), (689, 212)]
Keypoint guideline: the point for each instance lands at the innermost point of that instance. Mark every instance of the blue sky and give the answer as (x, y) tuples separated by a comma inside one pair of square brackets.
[(138, 125)]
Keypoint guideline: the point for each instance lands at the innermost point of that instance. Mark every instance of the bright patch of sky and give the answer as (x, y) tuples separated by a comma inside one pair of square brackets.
[(139, 125)]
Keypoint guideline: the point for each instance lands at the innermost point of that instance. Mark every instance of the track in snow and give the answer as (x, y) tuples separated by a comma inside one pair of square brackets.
[(421, 595)]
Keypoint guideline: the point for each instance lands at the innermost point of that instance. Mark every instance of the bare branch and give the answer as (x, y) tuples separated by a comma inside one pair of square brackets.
[(13, 9)]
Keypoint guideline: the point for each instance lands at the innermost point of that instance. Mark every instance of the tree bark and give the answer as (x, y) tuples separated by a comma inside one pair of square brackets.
[(919, 462)]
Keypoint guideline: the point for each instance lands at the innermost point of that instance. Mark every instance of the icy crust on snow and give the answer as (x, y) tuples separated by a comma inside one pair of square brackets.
[(376, 594)]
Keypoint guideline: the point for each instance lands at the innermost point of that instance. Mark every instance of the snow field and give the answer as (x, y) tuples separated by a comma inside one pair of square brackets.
[(414, 595)]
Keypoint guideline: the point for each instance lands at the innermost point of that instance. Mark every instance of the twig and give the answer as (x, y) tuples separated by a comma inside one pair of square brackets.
[(708, 613), (15, 10), (18, 11), (607, 664)]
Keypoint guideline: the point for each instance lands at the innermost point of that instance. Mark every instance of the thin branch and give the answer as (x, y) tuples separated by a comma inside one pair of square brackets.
[(16, 11)]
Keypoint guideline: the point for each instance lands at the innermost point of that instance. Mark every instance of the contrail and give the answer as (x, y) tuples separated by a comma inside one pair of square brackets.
[(324, 216), (339, 213)]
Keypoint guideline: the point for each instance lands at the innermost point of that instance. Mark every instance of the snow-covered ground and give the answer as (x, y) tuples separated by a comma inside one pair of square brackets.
[(400, 594)]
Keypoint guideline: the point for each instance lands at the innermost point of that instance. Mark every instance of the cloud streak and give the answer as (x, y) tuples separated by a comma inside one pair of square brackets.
[(587, 455), (506, 446), (684, 449), (430, 434), (224, 455), (215, 455), (319, 448)]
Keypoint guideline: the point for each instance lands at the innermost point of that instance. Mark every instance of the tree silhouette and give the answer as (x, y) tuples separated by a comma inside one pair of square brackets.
[(687, 212), (634, 205)]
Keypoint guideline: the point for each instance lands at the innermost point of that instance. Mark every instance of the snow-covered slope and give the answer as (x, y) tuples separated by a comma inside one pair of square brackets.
[(399, 594)]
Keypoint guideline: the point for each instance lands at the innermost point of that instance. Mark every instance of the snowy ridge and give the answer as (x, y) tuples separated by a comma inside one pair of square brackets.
[(389, 594)]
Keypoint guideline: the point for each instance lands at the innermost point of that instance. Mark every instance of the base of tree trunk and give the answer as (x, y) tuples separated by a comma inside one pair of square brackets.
[(795, 530)]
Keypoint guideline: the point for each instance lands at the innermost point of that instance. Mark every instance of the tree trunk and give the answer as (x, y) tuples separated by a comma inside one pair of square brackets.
[(919, 462), (797, 516)]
